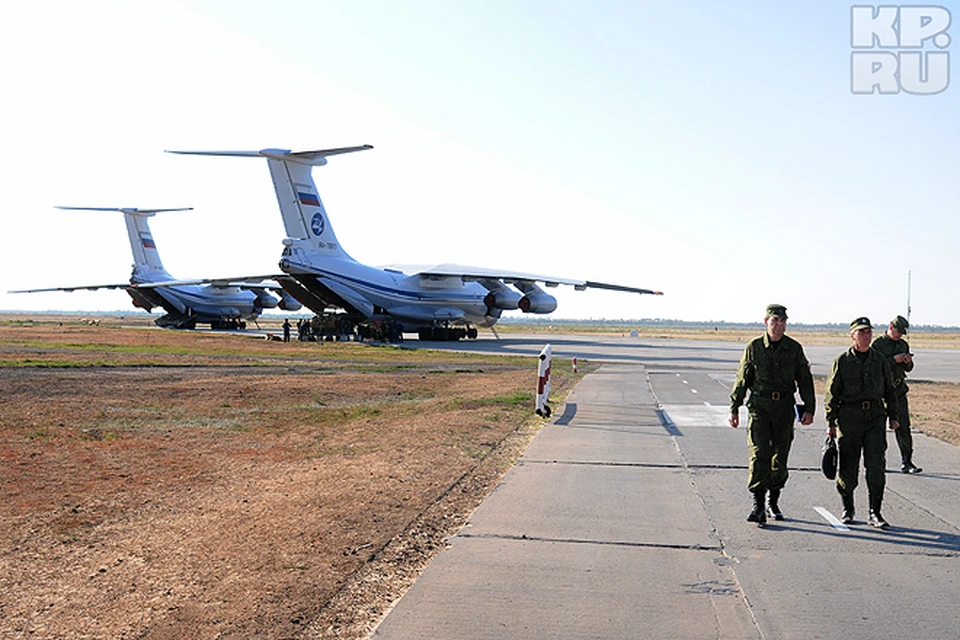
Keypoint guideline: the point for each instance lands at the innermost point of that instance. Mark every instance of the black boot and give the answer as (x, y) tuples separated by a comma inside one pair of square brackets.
[(909, 467), (773, 510), (759, 513), (876, 520), (847, 499)]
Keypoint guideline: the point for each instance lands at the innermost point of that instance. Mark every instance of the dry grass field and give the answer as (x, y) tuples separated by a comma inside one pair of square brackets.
[(160, 484), (193, 485)]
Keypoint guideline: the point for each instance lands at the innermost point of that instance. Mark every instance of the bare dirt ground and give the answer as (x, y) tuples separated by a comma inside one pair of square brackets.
[(160, 484)]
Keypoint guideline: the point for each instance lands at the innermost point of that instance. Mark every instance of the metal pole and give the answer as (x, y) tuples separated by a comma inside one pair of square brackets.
[(908, 295)]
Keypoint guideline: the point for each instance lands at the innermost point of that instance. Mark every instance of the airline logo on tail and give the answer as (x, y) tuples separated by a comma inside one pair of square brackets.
[(147, 241), (317, 224)]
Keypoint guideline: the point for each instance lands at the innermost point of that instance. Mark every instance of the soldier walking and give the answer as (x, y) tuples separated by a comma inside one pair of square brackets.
[(860, 397), (897, 352), (772, 367)]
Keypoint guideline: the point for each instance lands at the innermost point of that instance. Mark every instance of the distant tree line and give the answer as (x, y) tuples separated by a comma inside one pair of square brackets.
[(688, 324)]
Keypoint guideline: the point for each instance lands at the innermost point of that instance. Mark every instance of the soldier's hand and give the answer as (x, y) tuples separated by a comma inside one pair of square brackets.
[(832, 431), (734, 420), (807, 418), (894, 425)]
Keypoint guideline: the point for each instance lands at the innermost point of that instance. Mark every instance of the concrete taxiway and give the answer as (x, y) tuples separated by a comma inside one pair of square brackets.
[(625, 518), (932, 364)]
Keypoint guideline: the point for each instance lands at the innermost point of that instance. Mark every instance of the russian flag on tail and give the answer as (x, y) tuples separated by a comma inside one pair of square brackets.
[(308, 198)]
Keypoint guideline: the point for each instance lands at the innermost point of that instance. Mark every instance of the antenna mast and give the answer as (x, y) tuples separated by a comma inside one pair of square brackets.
[(908, 296)]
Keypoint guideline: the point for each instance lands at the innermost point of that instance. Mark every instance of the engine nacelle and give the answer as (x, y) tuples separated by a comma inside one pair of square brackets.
[(264, 299), (288, 302), (538, 303), (502, 299)]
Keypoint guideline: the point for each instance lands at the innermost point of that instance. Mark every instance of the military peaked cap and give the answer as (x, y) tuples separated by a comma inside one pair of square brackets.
[(900, 324), (777, 311)]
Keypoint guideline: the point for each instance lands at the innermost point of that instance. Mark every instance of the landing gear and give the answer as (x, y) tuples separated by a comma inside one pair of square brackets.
[(176, 321), (447, 334), (444, 334), (230, 324)]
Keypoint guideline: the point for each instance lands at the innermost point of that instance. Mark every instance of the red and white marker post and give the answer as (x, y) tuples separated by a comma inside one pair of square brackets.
[(543, 382)]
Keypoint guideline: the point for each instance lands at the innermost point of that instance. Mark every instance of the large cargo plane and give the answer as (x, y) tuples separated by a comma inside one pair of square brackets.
[(226, 303), (438, 302)]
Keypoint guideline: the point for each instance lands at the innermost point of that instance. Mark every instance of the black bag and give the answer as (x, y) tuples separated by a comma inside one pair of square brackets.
[(828, 458)]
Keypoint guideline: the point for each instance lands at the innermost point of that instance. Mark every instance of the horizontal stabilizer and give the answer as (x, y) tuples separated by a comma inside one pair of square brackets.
[(131, 210), (299, 157)]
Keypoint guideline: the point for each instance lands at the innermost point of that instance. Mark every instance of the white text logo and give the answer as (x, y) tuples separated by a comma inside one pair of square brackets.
[(899, 49)]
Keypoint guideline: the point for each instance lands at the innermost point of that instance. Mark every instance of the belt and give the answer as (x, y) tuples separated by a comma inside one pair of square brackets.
[(864, 404), (773, 395)]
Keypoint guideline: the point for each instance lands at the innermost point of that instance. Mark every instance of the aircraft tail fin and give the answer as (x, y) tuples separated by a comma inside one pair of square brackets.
[(147, 266), (304, 217)]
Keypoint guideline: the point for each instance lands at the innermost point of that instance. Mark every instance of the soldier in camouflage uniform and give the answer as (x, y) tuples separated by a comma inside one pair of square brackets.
[(772, 367), (897, 352), (860, 397)]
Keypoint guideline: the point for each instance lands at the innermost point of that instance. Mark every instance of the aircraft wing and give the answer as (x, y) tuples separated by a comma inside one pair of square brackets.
[(86, 287), (470, 274), (248, 282)]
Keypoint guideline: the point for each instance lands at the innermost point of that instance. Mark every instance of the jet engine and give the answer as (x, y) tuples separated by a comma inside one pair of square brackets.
[(502, 299), (264, 300), (535, 299), (288, 302), (538, 303)]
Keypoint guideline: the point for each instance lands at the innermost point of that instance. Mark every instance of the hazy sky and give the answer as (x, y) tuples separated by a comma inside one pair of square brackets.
[(714, 151)]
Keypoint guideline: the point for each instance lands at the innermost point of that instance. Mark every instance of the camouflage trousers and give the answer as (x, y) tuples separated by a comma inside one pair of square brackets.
[(904, 438), (769, 434), (857, 435)]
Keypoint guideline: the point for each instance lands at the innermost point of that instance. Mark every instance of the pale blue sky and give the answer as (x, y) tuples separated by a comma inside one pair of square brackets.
[(711, 150)]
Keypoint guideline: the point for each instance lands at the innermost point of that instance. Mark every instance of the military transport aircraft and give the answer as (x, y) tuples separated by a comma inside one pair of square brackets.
[(439, 302), (226, 303)]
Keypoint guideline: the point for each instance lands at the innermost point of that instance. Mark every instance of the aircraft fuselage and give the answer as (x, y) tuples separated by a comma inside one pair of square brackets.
[(367, 291)]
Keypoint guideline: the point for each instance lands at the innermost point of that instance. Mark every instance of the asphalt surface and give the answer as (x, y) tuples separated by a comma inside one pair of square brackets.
[(626, 518), (653, 353)]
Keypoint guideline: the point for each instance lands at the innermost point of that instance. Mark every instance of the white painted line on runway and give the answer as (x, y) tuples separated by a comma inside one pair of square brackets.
[(695, 415), (832, 519), (707, 404), (694, 390)]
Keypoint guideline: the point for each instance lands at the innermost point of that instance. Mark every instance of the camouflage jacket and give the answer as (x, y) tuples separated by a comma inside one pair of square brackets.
[(889, 348), (766, 367), (854, 381)]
